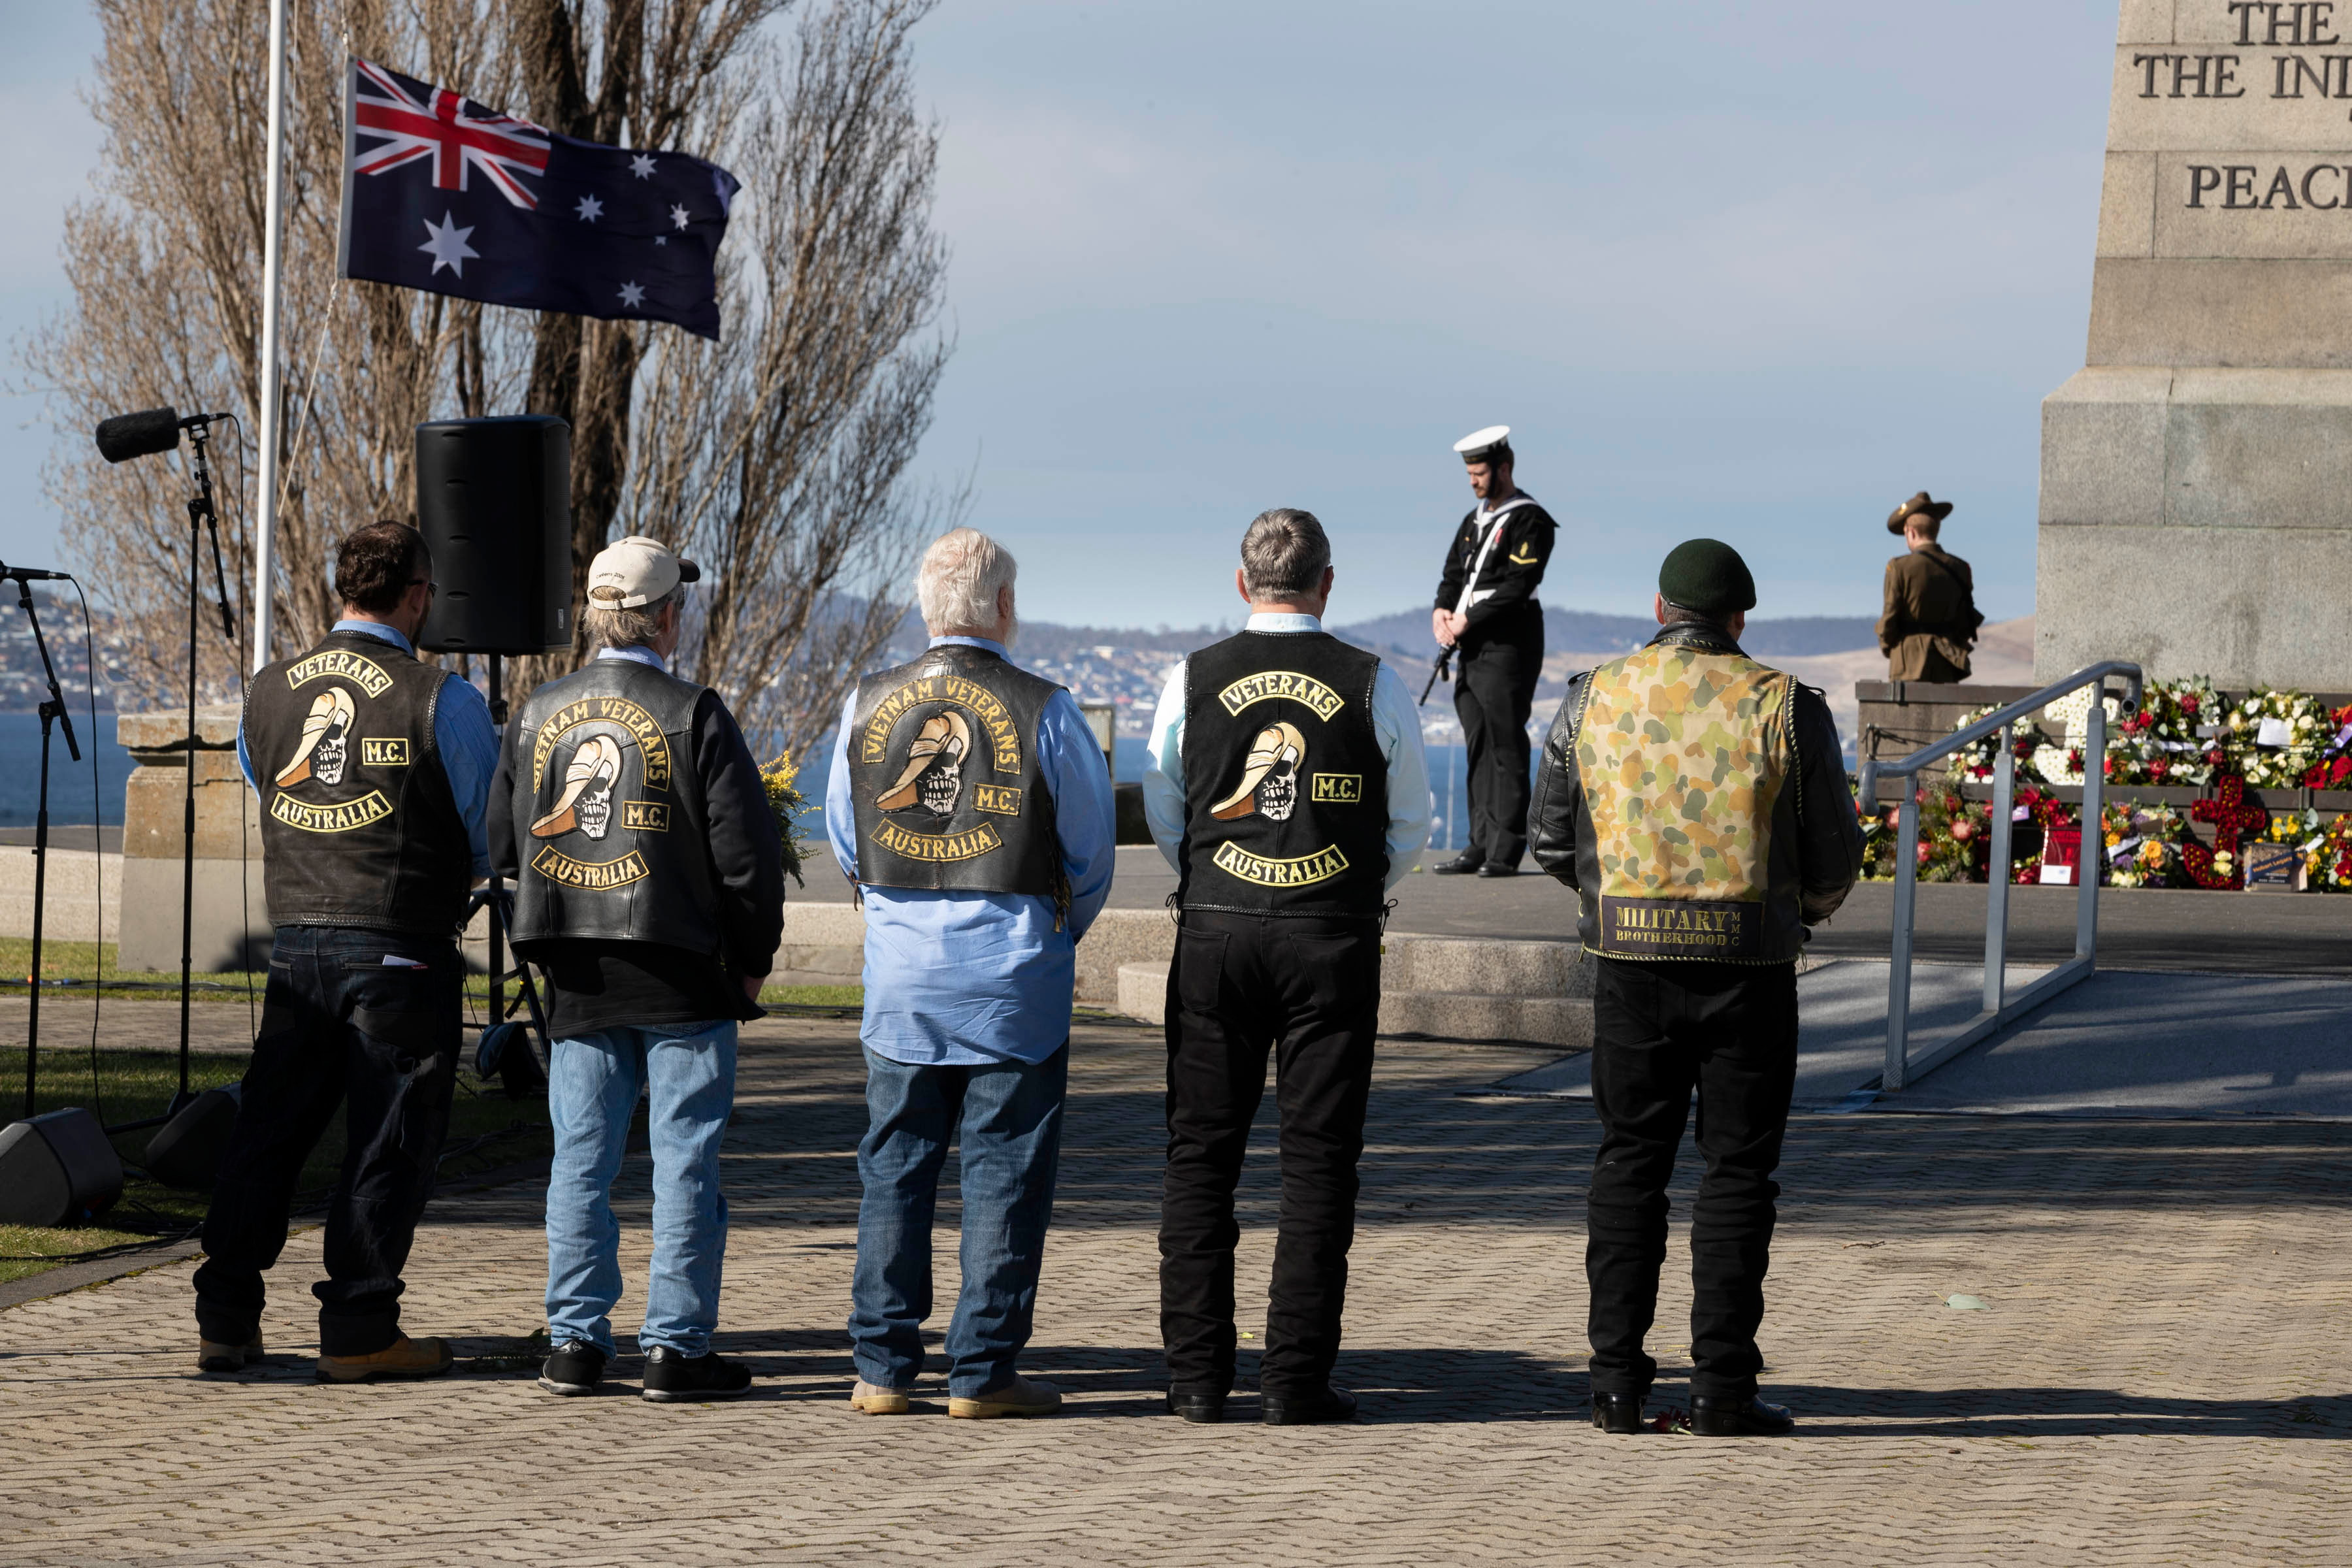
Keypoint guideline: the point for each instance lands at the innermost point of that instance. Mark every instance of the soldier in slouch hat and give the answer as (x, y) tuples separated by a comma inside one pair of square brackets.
[(1930, 618), (1695, 881)]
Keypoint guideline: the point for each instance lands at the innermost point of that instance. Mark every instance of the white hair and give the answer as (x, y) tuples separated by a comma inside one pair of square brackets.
[(958, 582)]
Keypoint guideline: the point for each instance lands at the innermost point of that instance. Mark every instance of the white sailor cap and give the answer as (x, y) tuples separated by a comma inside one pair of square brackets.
[(1491, 445)]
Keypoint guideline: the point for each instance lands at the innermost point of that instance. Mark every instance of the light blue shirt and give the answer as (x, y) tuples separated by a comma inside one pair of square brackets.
[(462, 734), (1396, 723), (957, 978)]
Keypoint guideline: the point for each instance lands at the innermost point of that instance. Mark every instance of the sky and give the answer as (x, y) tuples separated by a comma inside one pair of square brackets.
[(1751, 271)]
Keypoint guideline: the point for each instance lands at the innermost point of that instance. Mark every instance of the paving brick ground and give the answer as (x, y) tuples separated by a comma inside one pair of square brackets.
[(2159, 1377)]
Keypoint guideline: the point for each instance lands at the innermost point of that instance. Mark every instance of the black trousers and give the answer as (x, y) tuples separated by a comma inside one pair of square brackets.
[(1660, 1030), (1494, 687), (1308, 991), (341, 1026)]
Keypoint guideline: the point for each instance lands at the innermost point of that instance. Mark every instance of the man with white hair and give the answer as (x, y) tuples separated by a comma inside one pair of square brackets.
[(971, 804), (649, 889)]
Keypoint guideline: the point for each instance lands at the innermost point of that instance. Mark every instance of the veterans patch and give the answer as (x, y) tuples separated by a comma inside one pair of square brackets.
[(1680, 928)]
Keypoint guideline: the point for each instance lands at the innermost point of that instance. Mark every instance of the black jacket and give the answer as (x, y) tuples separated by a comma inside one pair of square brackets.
[(1816, 838), (1514, 568), (746, 846)]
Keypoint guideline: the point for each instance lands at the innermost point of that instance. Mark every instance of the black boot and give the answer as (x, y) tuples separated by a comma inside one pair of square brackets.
[(1200, 1408), (1307, 1409), (575, 1368), (1462, 865), (674, 1377), (1723, 1417), (1617, 1413)]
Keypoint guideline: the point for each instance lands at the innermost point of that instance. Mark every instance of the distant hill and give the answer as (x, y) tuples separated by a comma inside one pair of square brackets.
[(1581, 631)]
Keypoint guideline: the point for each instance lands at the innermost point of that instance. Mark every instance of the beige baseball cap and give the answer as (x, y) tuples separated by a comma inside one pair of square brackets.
[(636, 571)]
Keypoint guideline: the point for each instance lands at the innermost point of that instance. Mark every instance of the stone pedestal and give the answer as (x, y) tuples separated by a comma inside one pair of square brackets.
[(2196, 508), (231, 928)]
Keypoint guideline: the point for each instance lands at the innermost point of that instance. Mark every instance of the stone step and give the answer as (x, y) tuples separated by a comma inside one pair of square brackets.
[(1563, 1021), (1483, 966)]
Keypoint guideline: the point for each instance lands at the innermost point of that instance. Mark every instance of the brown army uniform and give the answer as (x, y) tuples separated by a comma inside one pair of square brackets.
[(1930, 621)]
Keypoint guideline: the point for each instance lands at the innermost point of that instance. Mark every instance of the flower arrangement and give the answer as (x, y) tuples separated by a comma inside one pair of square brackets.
[(2143, 845), (2273, 738), (778, 778), (2328, 856), (2333, 768), (1973, 763), (2160, 744), (1953, 846)]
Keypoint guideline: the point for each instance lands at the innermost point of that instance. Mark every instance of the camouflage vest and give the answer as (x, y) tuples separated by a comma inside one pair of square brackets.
[(1682, 752)]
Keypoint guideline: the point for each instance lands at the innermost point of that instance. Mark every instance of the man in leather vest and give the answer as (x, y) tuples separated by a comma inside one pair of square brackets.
[(1930, 619), (649, 890), (1488, 614), (1695, 886), (372, 769), (1288, 786), (971, 804)]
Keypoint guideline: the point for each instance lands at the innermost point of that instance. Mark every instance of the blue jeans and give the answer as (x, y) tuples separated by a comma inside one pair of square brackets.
[(1007, 1119), (593, 1085)]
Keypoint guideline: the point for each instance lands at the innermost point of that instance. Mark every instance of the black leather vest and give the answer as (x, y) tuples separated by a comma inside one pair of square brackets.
[(944, 780), (609, 812), (1286, 790), (359, 826)]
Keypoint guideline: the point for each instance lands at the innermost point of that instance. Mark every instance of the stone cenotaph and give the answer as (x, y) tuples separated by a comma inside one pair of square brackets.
[(2197, 474)]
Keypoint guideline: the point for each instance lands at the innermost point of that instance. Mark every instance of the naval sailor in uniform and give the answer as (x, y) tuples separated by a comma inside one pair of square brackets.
[(1487, 614)]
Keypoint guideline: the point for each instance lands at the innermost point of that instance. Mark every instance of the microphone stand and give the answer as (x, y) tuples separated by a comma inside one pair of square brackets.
[(200, 512), (53, 710)]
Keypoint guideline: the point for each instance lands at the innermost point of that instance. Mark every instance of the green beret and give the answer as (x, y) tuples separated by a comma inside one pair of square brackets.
[(1707, 575)]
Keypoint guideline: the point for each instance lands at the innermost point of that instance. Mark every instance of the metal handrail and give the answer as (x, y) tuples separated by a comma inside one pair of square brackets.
[(1998, 1010)]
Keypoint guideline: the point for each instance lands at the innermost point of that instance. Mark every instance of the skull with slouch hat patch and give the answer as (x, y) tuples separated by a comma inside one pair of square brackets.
[(933, 775), (1270, 784)]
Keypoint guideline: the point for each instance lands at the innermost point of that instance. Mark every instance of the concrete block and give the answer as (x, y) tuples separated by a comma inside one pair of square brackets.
[(2102, 446), (1483, 966), (2233, 463), (1143, 991), (1453, 1016), (2128, 205), (2244, 605), (1118, 938), (2292, 314), (2145, 22), (75, 913), (150, 926), (2306, 219)]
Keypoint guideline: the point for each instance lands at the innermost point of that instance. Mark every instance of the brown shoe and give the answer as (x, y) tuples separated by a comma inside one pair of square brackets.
[(404, 1357), (868, 1400), (213, 1356), (1021, 1396)]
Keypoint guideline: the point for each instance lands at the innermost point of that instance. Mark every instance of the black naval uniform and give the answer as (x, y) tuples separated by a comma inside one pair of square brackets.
[(367, 864), (1283, 869), (1695, 987), (1498, 661)]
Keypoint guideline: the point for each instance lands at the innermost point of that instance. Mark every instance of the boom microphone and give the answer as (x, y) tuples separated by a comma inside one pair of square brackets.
[(140, 435)]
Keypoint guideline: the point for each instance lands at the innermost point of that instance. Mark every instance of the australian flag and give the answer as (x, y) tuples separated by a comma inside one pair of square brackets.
[(443, 194)]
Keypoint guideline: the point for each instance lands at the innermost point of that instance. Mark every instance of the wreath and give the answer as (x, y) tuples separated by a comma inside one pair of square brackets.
[(2273, 738), (2160, 744)]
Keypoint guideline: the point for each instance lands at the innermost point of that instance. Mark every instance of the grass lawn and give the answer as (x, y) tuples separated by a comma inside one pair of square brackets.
[(94, 961), (486, 1130)]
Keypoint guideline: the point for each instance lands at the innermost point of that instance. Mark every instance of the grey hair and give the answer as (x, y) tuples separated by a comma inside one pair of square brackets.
[(958, 583), (613, 627), (1284, 554)]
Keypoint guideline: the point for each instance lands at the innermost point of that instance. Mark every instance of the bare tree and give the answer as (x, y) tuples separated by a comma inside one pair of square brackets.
[(830, 289)]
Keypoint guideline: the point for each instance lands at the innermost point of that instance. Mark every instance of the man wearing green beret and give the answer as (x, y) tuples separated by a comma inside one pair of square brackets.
[(1696, 882)]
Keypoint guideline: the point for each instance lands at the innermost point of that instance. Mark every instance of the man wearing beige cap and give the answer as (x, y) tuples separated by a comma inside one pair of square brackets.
[(649, 890)]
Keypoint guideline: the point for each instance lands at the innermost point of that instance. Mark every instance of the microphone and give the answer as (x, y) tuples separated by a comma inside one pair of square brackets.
[(33, 574), (151, 430)]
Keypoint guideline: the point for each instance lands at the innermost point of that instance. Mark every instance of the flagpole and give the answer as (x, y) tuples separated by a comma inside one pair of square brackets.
[(272, 260)]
